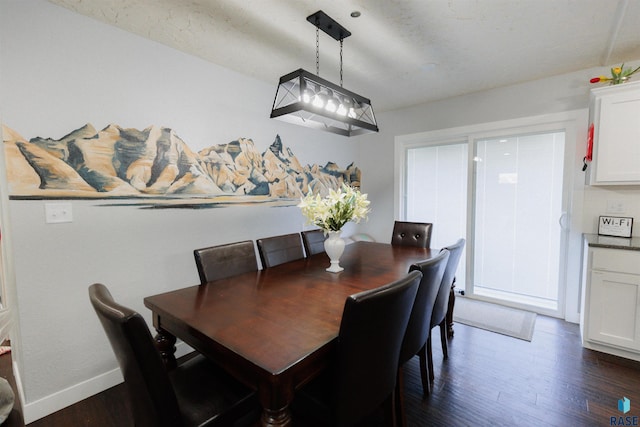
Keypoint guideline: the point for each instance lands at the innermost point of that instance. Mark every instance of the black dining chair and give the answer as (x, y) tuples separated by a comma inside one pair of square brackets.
[(411, 234), (417, 333), (439, 315), (196, 393), (313, 241), (277, 250), (222, 261), (361, 378)]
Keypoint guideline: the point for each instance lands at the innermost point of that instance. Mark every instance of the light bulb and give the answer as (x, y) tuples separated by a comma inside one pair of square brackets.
[(352, 108), (332, 102), (344, 107), (306, 96), (319, 100)]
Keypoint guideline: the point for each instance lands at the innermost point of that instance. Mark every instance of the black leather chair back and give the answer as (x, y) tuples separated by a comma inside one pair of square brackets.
[(313, 241), (442, 300), (420, 321), (153, 400), (222, 261), (371, 332), (411, 234), (280, 249)]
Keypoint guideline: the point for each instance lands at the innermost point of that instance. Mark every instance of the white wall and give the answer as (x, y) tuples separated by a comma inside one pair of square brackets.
[(597, 198), (60, 70)]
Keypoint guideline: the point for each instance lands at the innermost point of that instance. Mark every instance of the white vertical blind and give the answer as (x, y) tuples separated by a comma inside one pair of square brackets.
[(436, 186), (518, 203)]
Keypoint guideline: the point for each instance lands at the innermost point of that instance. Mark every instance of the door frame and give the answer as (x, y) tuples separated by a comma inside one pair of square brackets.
[(574, 124)]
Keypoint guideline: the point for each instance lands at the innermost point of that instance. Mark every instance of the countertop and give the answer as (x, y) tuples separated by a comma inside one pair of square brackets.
[(628, 243)]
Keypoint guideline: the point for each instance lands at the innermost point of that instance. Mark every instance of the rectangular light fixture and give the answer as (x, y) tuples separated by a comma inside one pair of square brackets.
[(306, 99)]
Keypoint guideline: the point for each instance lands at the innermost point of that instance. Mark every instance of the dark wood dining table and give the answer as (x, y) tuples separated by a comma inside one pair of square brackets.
[(273, 329)]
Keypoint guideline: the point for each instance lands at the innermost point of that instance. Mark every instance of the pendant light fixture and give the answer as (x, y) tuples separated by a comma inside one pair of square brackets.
[(306, 99)]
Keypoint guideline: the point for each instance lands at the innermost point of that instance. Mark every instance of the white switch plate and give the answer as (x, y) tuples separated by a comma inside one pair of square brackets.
[(58, 212), (615, 206)]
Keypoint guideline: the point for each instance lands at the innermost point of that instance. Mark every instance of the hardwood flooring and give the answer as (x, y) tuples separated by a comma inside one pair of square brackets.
[(488, 380), (492, 380)]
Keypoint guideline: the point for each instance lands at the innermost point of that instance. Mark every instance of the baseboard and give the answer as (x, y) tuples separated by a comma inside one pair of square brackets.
[(603, 348), (16, 376), (61, 399), (40, 408), (572, 317)]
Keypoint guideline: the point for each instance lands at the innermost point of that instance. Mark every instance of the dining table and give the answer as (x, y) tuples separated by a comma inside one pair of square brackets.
[(274, 329)]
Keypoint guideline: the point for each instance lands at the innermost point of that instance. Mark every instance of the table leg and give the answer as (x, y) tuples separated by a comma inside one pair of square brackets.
[(166, 345), (281, 417), (275, 400), (452, 303)]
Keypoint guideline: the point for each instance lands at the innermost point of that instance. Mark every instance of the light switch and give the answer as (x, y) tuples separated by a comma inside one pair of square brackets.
[(615, 206), (58, 212)]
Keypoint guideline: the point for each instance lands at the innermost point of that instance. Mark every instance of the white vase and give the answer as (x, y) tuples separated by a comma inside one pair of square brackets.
[(334, 247)]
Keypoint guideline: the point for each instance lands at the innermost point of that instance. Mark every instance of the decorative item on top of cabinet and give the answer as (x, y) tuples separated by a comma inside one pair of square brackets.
[(619, 75), (615, 114)]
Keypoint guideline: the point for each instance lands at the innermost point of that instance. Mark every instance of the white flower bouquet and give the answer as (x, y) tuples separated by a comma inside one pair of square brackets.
[(332, 212)]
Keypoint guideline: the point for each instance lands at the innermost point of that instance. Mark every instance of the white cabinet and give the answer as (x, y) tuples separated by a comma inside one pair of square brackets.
[(613, 309), (615, 114), (612, 302)]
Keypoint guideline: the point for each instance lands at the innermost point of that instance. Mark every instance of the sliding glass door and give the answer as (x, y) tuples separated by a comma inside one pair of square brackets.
[(504, 193), (518, 210)]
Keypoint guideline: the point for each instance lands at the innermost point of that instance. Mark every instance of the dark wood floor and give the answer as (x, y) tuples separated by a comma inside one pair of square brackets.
[(488, 380)]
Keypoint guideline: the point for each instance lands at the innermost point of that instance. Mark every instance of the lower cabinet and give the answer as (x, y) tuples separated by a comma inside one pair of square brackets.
[(611, 310)]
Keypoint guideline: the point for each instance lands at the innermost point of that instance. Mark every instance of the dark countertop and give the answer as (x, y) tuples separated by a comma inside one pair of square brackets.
[(628, 243)]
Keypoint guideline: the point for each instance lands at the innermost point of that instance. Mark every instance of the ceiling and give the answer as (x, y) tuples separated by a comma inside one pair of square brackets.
[(401, 52)]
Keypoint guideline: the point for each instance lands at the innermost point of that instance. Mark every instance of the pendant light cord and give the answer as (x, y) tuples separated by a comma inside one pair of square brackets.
[(341, 62), (317, 48), (318, 52)]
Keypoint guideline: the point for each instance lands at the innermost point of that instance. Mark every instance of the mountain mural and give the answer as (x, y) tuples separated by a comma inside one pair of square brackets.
[(156, 163)]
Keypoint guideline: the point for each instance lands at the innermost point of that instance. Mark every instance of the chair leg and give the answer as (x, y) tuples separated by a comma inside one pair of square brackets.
[(443, 338), (401, 420), (430, 358), (389, 411), (450, 307), (424, 370)]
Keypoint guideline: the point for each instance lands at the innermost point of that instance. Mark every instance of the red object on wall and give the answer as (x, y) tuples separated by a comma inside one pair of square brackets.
[(589, 155), (590, 144)]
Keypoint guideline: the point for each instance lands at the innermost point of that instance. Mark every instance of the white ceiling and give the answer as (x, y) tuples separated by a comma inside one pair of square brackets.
[(401, 52)]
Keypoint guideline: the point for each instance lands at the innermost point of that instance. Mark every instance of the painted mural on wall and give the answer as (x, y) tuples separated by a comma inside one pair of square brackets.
[(155, 167)]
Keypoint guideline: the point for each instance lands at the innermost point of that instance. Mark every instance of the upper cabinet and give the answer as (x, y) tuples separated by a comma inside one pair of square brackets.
[(615, 115)]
